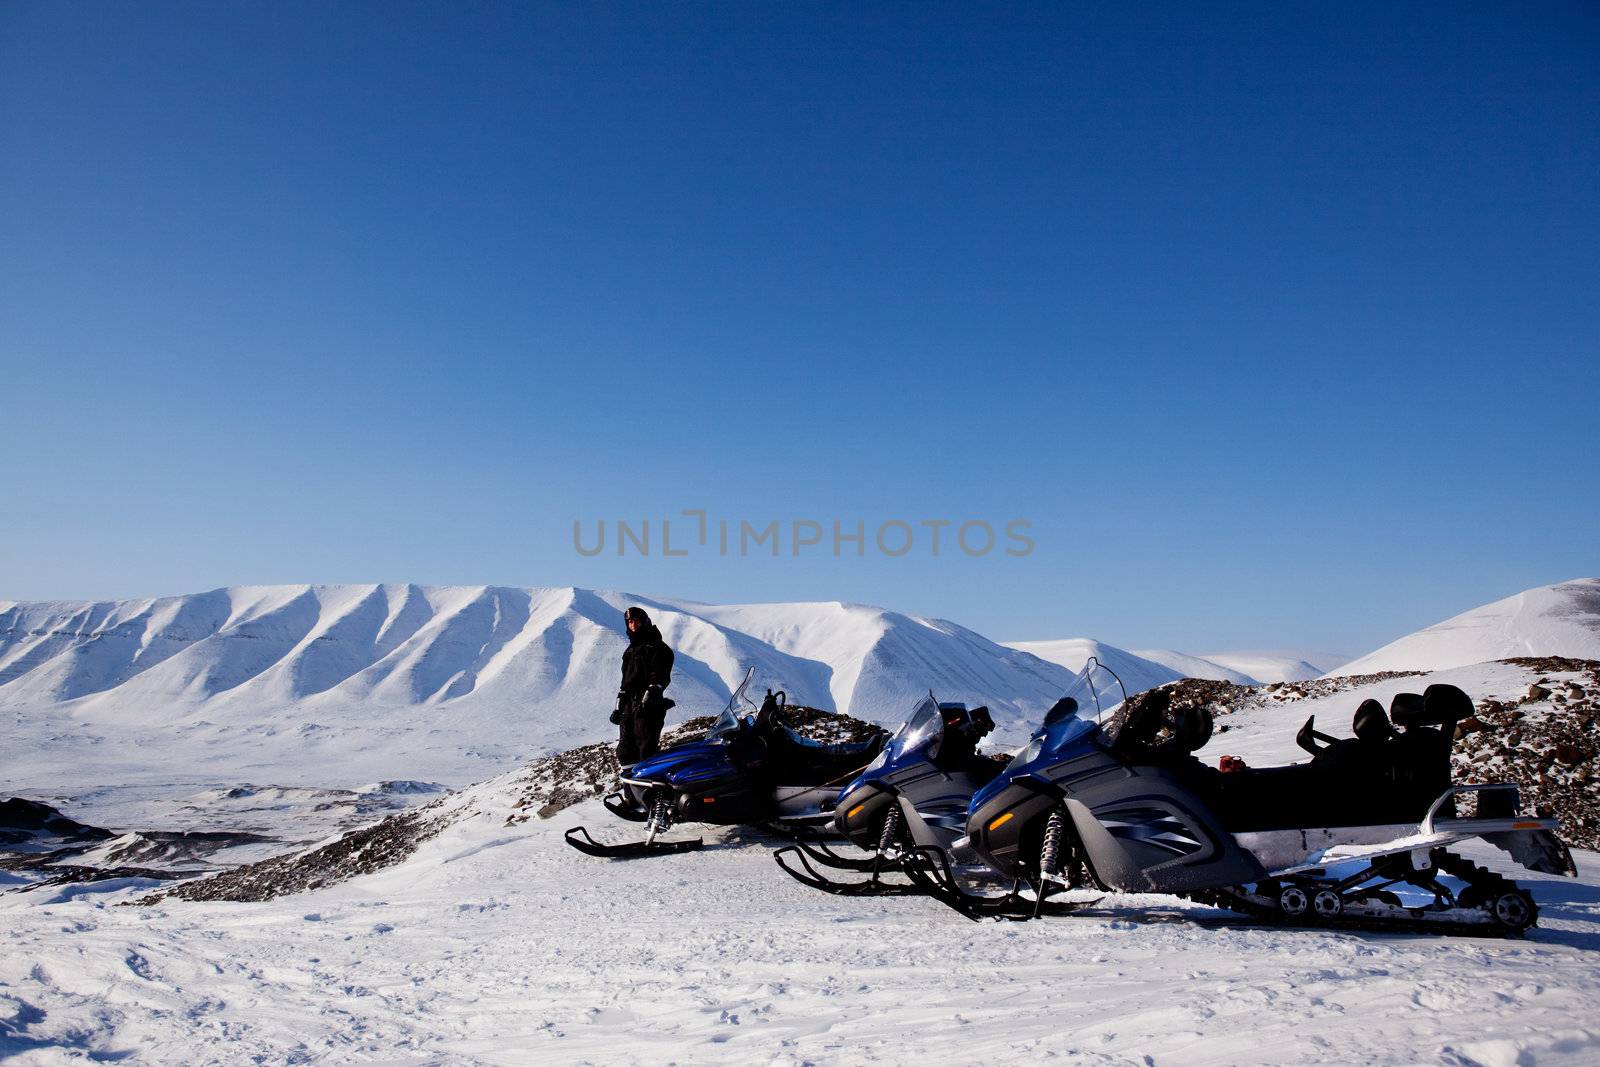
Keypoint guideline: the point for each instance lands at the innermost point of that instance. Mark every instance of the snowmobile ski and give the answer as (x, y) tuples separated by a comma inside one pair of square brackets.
[(580, 839), (818, 852), (796, 865), (937, 879)]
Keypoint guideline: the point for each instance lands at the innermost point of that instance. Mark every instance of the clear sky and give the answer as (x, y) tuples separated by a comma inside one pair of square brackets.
[(1279, 325)]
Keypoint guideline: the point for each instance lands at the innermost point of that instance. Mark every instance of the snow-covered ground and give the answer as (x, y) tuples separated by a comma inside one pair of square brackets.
[(495, 943), (504, 946)]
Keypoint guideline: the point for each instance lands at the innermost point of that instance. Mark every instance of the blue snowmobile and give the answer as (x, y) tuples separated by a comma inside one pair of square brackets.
[(750, 768), (915, 795), (1108, 795)]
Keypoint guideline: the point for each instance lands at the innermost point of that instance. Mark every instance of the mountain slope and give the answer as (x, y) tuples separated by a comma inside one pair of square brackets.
[(1195, 666), (1272, 666), (1136, 672), (442, 683), (1551, 620)]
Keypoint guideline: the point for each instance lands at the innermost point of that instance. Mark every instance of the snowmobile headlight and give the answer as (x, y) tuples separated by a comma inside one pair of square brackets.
[(1030, 751), (878, 761)]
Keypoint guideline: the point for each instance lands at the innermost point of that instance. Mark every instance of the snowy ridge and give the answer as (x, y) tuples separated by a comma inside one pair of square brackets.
[(1137, 672), (1551, 620), (1189, 666), (440, 683), (1274, 666), (1147, 668), (487, 940)]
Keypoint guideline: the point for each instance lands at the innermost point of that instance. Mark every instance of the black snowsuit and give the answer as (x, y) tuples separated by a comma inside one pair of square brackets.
[(646, 671)]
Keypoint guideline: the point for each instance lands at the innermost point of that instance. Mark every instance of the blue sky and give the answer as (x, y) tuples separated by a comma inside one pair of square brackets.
[(1278, 325)]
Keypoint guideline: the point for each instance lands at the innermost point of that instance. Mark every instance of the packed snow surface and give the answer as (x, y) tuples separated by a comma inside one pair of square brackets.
[(1551, 620), (495, 943)]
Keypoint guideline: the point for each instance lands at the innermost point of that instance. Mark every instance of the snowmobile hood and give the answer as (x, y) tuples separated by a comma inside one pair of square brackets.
[(1058, 740), (690, 764)]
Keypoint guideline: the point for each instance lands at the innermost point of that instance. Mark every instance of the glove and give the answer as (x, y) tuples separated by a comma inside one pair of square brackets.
[(616, 712)]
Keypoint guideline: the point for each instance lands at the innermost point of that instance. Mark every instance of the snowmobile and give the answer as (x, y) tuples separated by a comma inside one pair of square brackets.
[(914, 795), (1109, 795), (750, 768)]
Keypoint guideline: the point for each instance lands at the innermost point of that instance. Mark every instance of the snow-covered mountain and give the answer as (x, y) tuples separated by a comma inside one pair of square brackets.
[(1137, 672), (1275, 666), (1189, 666), (442, 683), (1550, 620)]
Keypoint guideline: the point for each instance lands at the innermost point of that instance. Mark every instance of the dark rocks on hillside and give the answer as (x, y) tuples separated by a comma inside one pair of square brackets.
[(371, 848), (26, 820), (1552, 753)]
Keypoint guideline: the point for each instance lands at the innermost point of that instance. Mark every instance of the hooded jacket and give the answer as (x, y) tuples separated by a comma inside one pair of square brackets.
[(646, 662)]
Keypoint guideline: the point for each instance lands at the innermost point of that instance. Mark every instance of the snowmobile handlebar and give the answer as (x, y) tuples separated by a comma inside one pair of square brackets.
[(1309, 736)]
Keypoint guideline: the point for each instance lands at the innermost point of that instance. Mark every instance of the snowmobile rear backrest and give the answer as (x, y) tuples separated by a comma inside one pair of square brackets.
[(1406, 709), (1371, 723), (1445, 705), (1439, 705)]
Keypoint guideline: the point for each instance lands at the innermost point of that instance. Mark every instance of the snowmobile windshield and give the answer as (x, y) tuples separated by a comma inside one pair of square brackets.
[(731, 721), (727, 724), (1090, 702), (920, 734), (1098, 692)]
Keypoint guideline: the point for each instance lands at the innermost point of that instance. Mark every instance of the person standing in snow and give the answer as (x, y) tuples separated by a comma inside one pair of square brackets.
[(641, 705)]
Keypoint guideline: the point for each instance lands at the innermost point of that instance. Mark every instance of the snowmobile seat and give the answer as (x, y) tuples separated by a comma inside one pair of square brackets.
[(1273, 798), (1360, 769), (795, 760), (1421, 751)]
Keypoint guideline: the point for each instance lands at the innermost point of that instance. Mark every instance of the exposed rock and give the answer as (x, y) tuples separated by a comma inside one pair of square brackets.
[(1551, 752), (25, 820), (1569, 754)]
